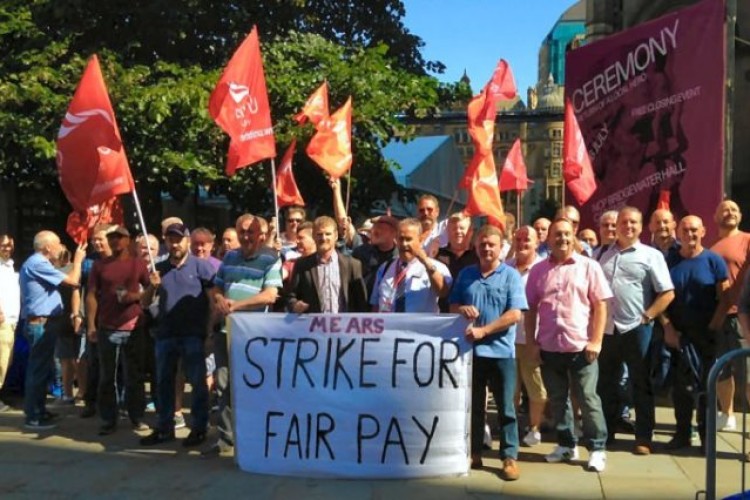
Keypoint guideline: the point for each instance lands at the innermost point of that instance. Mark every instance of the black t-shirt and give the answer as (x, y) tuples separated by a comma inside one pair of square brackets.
[(455, 264), (371, 258)]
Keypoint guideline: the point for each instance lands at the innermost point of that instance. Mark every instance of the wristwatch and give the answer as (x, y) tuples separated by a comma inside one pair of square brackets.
[(431, 268)]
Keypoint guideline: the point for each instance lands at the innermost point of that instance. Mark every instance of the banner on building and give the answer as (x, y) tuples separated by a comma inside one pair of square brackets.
[(351, 395), (650, 103)]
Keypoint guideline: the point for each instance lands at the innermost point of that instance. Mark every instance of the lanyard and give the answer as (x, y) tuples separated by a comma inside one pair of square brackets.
[(401, 275)]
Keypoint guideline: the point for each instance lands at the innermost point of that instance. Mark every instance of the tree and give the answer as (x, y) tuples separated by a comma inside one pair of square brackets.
[(159, 80)]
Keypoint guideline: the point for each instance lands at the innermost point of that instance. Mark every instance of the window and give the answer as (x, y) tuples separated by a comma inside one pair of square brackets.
[(557, 133), (556, 170)]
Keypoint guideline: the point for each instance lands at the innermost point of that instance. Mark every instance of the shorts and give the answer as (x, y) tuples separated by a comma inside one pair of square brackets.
[(729, 339), (530, 375)]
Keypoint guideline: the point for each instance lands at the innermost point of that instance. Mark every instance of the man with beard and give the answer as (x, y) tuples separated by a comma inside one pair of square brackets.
[(328, 281), (113, 306), (733, 246), (183, 281), (491, 296), (567, 295), (433, 232), (42, 308)]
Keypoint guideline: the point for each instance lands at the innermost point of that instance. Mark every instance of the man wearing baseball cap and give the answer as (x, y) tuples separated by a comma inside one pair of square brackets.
[(183, 281), (113, 305)]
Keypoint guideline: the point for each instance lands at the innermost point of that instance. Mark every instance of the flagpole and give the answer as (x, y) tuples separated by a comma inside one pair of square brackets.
[(275, 198), (348, 191), (143, 228), (519, 193), (453, 201)]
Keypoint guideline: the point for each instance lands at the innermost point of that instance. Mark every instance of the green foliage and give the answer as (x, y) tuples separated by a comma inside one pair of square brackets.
[(161, 60)]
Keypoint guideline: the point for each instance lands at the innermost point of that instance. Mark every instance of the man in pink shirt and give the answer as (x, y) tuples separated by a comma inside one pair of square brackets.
[(567, 295)]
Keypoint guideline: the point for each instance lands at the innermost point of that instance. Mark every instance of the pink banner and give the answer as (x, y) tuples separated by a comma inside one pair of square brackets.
[(650, 103)]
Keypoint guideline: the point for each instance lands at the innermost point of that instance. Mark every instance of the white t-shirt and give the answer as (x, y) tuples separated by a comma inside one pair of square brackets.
[(418, 293)]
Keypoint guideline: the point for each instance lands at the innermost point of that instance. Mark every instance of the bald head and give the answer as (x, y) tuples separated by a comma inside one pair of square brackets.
[(43, 239), (728, 216), (525, 243), (691, 232), (570, 213), (48, 244), (662, 224)]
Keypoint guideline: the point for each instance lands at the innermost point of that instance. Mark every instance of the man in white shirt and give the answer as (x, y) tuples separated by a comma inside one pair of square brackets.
[(10, 305), (413, 282)]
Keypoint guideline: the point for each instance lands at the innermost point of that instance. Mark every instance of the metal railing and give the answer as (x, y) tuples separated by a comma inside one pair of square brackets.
[(711, 405)]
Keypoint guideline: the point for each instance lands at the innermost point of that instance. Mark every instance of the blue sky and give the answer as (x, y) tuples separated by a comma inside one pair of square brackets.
[(474, 34)]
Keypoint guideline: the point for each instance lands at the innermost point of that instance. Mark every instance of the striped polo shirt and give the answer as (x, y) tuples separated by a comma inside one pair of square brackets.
[(241, 278)]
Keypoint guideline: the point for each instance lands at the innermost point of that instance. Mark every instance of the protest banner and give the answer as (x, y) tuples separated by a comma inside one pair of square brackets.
[(650, 104), (351, 395)]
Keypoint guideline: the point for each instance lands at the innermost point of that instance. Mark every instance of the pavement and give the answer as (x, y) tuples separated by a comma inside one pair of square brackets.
[(72, 461)]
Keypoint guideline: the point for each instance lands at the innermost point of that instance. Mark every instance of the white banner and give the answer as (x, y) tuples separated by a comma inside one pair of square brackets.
[(351, 395)]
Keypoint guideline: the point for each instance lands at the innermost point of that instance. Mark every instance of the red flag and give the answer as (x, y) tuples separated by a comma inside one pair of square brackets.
[(502, 85), (577, 171), (664, 199), (331, 146), (81, 223), (286, 187), (513, 177), (91, 161), (482, 110), (239, 105), (316, 106), (484, 192)]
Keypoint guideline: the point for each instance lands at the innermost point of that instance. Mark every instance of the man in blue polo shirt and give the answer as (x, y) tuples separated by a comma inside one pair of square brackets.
[(491, 295), (249, 279), (42, 309), (183, 280)]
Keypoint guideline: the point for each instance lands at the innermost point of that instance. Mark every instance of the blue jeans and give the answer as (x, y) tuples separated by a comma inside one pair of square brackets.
[(500, 375), (632, 348), (168, 351), (564, 371), (42, 338)]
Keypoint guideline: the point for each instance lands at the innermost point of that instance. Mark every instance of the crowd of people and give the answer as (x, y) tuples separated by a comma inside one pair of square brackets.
[(576, 326)]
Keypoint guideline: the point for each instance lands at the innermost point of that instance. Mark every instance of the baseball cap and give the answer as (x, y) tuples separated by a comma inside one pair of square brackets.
[(177, 229)]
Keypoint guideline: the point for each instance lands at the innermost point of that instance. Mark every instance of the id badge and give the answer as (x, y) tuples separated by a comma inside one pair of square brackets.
[(387, 296)]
